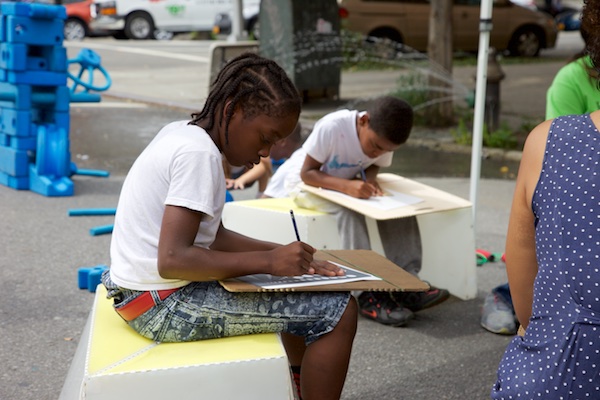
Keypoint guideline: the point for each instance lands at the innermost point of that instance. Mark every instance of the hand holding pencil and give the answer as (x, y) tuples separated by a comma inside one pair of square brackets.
[(370, 188), (320, 267)]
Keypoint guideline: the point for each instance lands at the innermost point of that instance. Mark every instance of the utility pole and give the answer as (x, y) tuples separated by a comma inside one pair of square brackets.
[(439, 51)]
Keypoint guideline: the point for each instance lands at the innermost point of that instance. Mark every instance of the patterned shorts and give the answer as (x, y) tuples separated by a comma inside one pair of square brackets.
[(205, 310)]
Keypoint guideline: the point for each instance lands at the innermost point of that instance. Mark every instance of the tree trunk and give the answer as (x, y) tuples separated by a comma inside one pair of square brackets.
[(439, 50)]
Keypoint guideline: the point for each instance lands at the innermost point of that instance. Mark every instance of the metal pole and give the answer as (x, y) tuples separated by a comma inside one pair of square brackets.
[(485, 26), (237, 22)]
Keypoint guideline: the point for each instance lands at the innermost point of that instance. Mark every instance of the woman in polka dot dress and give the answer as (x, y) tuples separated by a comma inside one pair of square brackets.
[(553, 257)]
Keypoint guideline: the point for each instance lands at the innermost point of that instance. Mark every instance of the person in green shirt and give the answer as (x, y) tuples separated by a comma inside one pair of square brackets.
[(574, 89)]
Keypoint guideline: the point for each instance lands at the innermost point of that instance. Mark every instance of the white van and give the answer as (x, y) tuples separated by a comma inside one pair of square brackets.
[(143, 19)]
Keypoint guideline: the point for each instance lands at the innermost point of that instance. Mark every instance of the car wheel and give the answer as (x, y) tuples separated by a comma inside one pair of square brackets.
[(139, 26), (74, 29), (254, 28), (525, 42)]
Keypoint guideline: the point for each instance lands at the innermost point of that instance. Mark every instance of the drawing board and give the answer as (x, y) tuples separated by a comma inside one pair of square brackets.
[(404, 197)]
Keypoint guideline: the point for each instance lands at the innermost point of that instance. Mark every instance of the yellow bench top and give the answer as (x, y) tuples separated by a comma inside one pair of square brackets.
[(283, 204), (116, 348)]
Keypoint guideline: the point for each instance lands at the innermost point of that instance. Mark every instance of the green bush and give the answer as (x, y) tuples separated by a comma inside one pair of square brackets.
[(502, 138)]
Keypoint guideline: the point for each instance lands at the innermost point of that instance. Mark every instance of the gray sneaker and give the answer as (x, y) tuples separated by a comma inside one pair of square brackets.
[(497, 316)]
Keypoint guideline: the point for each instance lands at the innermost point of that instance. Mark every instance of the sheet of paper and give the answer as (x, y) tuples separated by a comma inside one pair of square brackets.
[(267, 281), (389, 201)]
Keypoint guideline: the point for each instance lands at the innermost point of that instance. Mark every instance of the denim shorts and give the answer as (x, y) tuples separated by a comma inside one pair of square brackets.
[(205, 310)]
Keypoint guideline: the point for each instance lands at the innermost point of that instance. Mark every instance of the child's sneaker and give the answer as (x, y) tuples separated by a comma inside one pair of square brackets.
[(380, 307), (417, 301), (497, 316)]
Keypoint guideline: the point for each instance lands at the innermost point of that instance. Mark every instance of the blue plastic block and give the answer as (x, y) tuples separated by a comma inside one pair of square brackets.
[(14, 162), (17, 122), (20, 143), (89, 172), (25, 124), (25, 97), (85, 97), (13, 56), (4, 140), (37, 64), (17, 97), (40, 78), (79, 212), (22, 57), (52, 156), (36, 11), (18, 183), (48, 32), (49, 175), (101, 230), (49, 186), (47, 58), (89, 277)]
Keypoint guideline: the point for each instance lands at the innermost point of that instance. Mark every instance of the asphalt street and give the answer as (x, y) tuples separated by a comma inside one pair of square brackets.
[(442, 354)]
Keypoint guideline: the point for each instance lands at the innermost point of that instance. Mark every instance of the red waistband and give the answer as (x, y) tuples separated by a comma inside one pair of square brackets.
[(141, 304)]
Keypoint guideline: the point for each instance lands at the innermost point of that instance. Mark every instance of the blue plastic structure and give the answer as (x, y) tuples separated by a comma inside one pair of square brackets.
[(101, 230), (78, 212), (88, 61), (89, 277), (34, 99)]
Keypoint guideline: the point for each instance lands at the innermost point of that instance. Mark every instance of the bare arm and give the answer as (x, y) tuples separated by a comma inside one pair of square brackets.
[(231, 254), (521, 262), (371, 174), (263, 168), (312, 175)]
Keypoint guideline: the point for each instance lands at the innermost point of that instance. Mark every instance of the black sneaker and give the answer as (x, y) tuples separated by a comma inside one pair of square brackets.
[(380, 307), (417, 301)]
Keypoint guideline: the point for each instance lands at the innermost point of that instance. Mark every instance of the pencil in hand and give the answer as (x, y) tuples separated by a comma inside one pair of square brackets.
[(295, 225)]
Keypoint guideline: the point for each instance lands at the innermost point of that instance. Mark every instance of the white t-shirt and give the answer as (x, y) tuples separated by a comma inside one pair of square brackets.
[(181, 167), (334, 143), (287, 175)]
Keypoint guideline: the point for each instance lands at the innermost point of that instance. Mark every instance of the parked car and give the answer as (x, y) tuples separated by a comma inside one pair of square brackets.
[(518, 30), (77, 24), (143, 19), (569, 20), (567, 16), (250, 11)]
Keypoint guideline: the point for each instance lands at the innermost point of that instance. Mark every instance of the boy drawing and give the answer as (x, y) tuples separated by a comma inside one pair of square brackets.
[(344, 152)]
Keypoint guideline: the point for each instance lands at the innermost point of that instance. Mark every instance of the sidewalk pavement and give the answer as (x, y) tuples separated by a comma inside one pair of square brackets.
[(443, 354)]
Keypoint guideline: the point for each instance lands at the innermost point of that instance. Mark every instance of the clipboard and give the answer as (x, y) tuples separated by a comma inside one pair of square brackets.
[(432, 199), (393, 278)]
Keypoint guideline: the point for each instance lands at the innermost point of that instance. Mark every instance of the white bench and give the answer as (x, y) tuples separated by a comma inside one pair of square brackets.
[(113, 361), (447, 236)]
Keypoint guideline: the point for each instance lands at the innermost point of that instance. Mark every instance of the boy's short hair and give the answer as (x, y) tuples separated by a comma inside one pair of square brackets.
[(391, 117)]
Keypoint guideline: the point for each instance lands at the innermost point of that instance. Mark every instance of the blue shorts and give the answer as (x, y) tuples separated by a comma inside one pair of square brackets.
[(205, 310)]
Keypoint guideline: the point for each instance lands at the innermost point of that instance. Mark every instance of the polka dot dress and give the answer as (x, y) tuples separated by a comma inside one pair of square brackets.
[(559, 357)]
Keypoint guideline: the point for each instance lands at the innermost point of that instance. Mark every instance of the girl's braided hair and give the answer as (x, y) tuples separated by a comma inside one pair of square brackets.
[(256, 84), (590, 23)]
